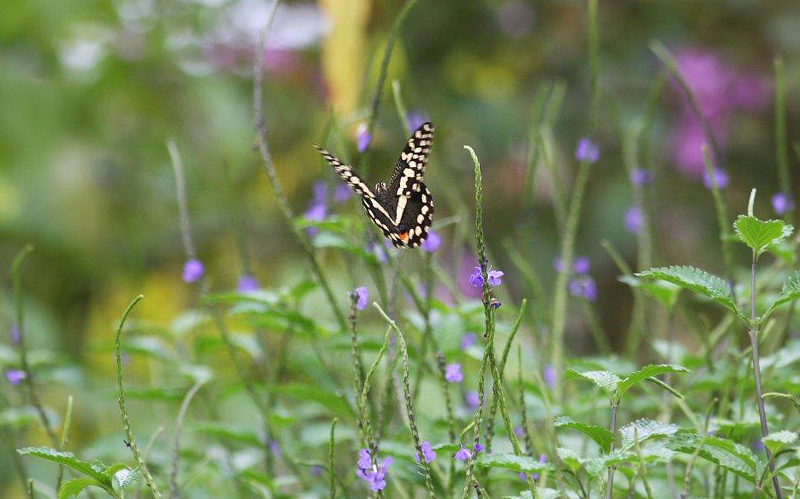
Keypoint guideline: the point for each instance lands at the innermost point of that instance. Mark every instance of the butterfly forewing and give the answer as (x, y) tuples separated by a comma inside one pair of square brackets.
[(403, 210)]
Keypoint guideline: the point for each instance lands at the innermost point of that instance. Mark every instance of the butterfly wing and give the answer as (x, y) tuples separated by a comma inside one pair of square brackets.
[(410, 167), (416, 218), (374, 205)]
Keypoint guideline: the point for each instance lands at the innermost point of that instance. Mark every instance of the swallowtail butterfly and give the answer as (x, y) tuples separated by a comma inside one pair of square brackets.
[(403, 209)]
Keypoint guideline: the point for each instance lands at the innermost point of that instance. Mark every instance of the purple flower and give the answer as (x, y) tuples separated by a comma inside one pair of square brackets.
[(374, 475), (432, 242), (320, 192), (476, 279), (534, 476), (453, 374), (688, 140), (15, 376), (587, 151), (247, 283), (581, 265), (583, 287), (427, 452), (472, 400), (495, 303), (274, 448), (549, 375), (378, 250), (468, 340), (316, 470), (782, 203), (363, 137), (361, 295), (415, 120), (633, 219), (640, 176), (14, 334), (462, 454), (192, 271), (757, 445), (316, 213), (495, 277), (342, 193), (477, 447), (720, 178)]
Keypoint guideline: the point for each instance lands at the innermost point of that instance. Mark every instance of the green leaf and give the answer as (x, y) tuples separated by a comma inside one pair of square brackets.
[(696, 280), (726, 453), (75, 486), (124, 477), (645, 429), (790, 292), (571, 458), (544, 493), (759, 234), (230, 434), (663, 292), (94, 469), (602, 436), (775, 441), (604, 379), (511, 462), (647, 372)]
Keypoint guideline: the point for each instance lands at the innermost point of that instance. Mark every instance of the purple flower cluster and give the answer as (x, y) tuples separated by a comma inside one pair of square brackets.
[(463, 453), (587, 151), (428, 453), (193, 270), (432, 242), (494, 278), (468, 340), (633, 219), (718, 176), (534, 476), (15, 376), (640, 176), (453, 374), (720, 90), (247, 284), (361, 294), (549, 375), (782, 203), (363, 137), (472, 399), (373, 474), (581, 285)]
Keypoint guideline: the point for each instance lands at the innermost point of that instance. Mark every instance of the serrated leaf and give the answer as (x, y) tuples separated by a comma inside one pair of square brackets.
[(94, 469), (726, 453), (571, 458), (775, 441), (645, 429), (647, 372), (663, 292), (790, 292), (124, 477), (602, 436), (511, 462), (759, 234), (544, 493), (696, 280), (75, 486), (605, 380)]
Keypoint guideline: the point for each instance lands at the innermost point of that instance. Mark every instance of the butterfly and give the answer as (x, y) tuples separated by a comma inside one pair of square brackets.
[(403, 209)]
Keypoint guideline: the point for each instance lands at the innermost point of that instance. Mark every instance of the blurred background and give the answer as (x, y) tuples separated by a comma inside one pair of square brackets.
[(92, 90)]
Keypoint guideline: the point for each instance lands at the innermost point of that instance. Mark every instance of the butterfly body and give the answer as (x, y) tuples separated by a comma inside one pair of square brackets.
[(403, 208)]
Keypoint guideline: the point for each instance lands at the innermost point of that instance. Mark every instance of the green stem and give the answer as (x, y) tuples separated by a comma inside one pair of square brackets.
[(612, 469), (594, 63), (331, 456), (754, 327), (269, 167), (781, 149), (176, 443), (567, 253), (123, 412)]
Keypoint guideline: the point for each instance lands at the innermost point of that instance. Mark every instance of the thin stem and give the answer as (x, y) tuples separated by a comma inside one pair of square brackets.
[(64, 443), (594, 63), (123, 412), (375, 104), (722, 218), (176, 444), (612, 469), (183, 202), (781, 149), (567, 253), (272, 176), (331, 456), (754, 327)]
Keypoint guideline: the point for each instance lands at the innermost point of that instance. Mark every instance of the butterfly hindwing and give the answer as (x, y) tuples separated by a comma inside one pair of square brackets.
[(403, 210)]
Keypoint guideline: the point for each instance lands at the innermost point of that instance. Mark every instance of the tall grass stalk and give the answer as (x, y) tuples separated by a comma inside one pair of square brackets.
[(176, 441), (66, 428), (412, 422), (593, 29), (375, 104), (123, 411), (781, 144), (183, 200), (269, 167), (331, 458)]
